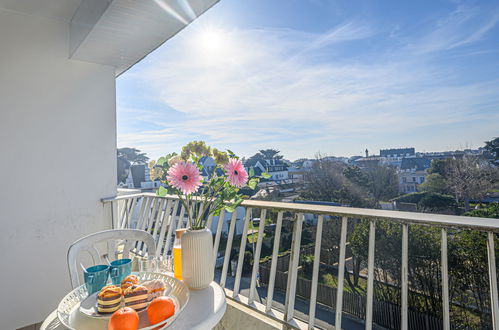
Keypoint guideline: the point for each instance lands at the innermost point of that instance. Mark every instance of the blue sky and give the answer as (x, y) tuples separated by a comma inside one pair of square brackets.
[(326, 76)]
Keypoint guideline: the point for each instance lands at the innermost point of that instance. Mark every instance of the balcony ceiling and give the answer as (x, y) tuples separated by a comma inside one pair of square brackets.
[(53, 9), (117, 33)]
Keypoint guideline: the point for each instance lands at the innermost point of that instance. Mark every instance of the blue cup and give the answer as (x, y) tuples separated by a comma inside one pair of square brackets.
[(96, 278), (120, 269)]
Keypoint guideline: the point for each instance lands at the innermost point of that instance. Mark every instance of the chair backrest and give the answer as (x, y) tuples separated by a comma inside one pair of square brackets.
[(118, 242)]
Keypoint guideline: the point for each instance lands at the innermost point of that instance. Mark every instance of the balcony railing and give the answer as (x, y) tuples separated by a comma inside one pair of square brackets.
[(161, 216)]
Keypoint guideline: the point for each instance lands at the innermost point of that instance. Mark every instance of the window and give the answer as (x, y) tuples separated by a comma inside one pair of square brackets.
[(413, 179)]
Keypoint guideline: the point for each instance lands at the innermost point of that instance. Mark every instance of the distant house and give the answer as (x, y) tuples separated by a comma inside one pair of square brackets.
[(138, 178), (394, 156), (275, 167), (412, 173)]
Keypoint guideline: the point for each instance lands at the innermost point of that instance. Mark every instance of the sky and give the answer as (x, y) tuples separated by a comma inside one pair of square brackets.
[(319, 76)]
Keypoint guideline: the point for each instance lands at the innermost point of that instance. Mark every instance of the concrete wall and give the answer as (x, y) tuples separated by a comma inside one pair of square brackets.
[(58, 158)]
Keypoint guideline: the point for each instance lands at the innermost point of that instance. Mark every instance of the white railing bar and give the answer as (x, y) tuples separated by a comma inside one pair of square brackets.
[(180, 219), (165, 222), (172, 227), (145, 214), (159, 218), (228, 247), (141, 211), (445, 281), (242, 250), (475, 223), (494, 303), (122, 218), (315, 272), (405, 277), (341, 272), (370, 275), (293, 269), (217, 235), (129, 216), (154, 208), (256, 257), (273, 266)]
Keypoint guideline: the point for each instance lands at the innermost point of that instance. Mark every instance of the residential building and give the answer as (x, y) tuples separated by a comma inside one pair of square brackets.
[(394, 156), (412, 173)]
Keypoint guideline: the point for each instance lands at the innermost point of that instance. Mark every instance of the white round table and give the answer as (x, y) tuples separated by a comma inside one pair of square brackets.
[(203, 311)]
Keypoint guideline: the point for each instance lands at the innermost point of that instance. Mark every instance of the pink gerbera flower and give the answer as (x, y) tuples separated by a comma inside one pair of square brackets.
[(185, 177), (236, 172)]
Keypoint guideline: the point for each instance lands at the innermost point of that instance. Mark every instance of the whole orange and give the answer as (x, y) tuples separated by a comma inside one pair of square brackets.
[(125, 318), (160, 309)]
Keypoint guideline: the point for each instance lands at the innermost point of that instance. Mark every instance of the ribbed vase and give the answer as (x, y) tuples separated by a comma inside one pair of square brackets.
[(197, 258)]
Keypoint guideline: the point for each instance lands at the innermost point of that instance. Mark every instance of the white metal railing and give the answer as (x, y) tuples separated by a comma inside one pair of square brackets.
[(160, 217)]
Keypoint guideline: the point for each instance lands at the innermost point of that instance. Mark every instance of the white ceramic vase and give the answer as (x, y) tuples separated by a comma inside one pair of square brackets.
[(197, 258)]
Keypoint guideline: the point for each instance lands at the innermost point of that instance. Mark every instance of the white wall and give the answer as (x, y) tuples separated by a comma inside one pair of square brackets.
[(58, 158)]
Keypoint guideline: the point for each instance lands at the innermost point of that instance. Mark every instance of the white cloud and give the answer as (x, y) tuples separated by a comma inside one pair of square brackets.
[(271, 87)]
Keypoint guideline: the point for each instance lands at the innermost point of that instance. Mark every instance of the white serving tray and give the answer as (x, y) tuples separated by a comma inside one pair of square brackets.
[(70, 315)]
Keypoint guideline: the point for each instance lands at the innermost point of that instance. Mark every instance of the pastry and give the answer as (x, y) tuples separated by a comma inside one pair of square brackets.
[(129, 281), (109, 299), (155, 288), (136, 297)]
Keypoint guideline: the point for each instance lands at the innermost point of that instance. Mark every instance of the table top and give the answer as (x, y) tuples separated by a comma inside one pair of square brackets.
[(203, 311)]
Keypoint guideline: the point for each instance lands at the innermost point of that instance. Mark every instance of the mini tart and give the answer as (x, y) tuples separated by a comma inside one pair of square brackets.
[(155, 288), (109, 299), (129, 281), (136, 297)]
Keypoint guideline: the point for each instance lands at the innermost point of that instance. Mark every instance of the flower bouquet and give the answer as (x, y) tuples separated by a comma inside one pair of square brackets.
[(206, 180)]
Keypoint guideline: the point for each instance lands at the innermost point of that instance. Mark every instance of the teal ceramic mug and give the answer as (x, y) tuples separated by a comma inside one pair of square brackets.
[(119, 269), (96, 277)]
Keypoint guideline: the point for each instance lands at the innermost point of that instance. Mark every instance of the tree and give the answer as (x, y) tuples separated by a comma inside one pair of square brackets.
[(469, 178), (383, 182), (326, 181), (492, 146), (262, 155), (134, 156), (434, 183)]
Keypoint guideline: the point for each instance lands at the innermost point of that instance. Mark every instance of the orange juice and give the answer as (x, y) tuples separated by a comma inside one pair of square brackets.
[(177, 254), (177, 263)]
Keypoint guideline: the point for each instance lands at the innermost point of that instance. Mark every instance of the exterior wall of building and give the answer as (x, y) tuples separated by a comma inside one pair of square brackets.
[(58, 141)]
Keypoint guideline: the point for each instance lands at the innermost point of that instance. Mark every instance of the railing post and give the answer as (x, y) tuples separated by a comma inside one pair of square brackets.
[(256, 257), (494, 304), (341, 272), (315, 272), (273, 265), (370, 275), (228, 247), (293, 269), (242, 251), (404, 274), (445, 281)]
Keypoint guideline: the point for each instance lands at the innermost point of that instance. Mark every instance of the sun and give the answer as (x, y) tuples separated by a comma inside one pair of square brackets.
[(211, 40)]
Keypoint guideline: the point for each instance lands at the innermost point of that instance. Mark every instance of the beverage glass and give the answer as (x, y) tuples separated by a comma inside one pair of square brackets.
[(164, 264)]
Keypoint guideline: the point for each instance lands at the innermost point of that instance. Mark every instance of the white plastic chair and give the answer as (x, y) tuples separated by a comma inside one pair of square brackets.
[(130, 238)]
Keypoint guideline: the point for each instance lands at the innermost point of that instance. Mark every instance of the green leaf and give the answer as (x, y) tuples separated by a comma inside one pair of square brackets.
[(266, 175), (251, 172), (161, 161), (252, 183), (162, 191), (230, 208)]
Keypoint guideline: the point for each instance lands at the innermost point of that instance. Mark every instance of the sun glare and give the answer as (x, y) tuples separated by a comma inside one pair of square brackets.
[(211, 40)]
